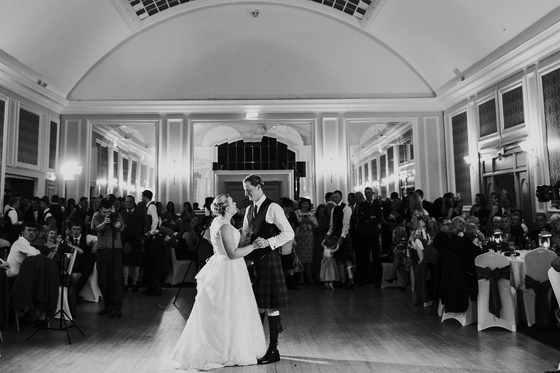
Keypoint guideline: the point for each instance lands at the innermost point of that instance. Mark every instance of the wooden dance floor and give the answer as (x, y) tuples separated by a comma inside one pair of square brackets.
[(363, 330)]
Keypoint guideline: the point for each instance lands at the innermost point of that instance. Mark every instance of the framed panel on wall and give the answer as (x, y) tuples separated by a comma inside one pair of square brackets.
[(28, 130), (53, 144), (488, 118), (512, 113)]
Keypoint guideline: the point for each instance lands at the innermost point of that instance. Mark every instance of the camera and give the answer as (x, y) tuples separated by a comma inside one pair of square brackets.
[(113, 217), (549, 193)]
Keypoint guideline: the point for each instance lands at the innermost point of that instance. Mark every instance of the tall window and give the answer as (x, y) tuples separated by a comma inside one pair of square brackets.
[(52, 144), (460, 150)]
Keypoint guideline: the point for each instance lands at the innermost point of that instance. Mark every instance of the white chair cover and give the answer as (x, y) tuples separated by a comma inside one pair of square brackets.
[(508, 313), (91, 291), (179, 268), (554, 278), (63, 290), (465, 318), (537, 264)]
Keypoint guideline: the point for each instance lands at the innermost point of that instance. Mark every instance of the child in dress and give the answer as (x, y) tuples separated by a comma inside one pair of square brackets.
[(401, 262), (329, 272)]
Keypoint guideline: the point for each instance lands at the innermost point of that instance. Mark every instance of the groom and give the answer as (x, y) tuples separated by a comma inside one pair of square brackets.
[(266, 220)]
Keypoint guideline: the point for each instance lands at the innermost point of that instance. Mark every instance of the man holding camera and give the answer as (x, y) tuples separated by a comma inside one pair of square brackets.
[(108, 226)]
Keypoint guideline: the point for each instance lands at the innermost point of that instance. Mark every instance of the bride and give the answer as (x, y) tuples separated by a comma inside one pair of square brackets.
[(224, 327)]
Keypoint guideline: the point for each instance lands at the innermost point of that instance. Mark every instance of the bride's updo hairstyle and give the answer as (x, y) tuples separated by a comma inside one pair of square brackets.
[(219, 205)]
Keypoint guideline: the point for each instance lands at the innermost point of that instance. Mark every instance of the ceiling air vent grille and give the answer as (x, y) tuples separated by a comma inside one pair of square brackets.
[(147, 8)]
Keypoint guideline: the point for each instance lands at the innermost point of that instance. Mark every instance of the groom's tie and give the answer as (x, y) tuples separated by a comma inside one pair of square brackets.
[(254, 211)]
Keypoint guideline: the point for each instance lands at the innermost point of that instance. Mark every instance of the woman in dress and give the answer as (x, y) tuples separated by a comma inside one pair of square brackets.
[(170, 219), (304, 237), (481, 209), (224, 327), (323, 221)]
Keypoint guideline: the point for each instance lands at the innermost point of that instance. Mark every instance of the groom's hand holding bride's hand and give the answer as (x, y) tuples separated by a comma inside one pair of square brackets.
[(261, 243)]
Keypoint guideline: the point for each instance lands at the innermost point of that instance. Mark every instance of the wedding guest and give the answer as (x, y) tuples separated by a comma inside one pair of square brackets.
[(392, 217), (541, 224), (443, 206), (368, 218), (21, 249), (304, 237), (170, 219), (401, 263), (109, 258), (418, 213), (506, 226), (287, 255), (11, 220), (442, 239), (187, 213), (495, 210), (134, 219), (85, 260), (319, 233), (34, 213), (507, 203), (465, 249), (188, 239), (426, 205), (329, 273), (339, 226), (481, 209)]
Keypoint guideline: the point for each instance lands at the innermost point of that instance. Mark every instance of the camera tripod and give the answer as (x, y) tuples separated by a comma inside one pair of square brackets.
[(61, 313)]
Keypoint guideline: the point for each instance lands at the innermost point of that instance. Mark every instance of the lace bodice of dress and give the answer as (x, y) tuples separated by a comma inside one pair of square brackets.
[(216, 235)]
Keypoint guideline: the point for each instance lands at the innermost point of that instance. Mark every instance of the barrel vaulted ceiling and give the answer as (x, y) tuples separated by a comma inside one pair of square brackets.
[(232, 49)]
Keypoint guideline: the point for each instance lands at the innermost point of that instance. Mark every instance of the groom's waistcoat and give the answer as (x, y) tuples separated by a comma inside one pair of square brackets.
[(260, 227)]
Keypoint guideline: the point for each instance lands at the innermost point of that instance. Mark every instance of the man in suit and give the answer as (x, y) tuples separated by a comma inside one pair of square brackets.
[(56, 211), (85, 260), (428, 206), (34, 213), (266, 224), (368, 215), (133, 239)]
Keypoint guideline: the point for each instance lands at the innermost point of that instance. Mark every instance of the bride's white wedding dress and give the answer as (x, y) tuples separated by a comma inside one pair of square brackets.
[(224, 327)]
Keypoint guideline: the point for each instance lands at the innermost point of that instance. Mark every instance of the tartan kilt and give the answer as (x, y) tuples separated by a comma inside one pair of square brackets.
[(346, 252), (270, 284)]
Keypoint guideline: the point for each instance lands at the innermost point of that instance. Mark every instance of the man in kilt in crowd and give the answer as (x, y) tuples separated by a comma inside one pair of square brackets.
[(266, 220), (339, 227)]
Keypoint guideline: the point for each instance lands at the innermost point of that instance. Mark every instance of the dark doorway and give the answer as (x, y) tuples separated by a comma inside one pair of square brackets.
[(19, 187)]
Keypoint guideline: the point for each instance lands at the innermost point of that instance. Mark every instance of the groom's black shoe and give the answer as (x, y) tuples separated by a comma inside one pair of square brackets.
[(271, 356)]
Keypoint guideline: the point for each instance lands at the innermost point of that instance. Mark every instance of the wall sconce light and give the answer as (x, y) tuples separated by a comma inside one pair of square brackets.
[(332, 170), (252, 115), (174, 172), (470, 159), (51, 176), (70, 170), (528, 147)]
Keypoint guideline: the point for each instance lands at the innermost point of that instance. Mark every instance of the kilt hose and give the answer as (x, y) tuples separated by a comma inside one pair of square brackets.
[(270, 284)]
